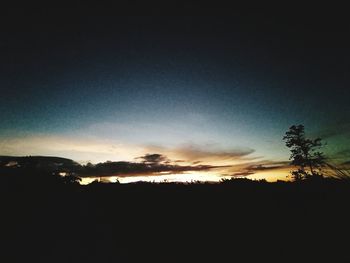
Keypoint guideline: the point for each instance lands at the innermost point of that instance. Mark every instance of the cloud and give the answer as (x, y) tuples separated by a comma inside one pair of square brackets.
[(268, 166), (153, 158), (239, 174), (39, 162), (256, 167), (84, 149), (193, 152), (208, 153), (152, 164), (81, 149), (210, 158)]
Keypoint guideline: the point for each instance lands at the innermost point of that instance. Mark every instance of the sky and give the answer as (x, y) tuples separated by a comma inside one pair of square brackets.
[(204, 87)]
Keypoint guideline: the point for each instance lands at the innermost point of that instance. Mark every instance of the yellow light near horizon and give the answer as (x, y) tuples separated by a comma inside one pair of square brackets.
[(87, 180), (113, 179), (272, 176), (188, 177), (183, 178)]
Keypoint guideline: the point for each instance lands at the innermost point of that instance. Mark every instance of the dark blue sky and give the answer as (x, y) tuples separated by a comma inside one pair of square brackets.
[(239, 79)]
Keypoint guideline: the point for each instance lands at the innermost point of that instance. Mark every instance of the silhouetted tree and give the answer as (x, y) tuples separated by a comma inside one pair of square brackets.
[(71, 179), (304, 153)]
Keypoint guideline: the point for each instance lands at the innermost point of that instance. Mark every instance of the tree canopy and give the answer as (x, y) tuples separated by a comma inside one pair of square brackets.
[(305, 153)]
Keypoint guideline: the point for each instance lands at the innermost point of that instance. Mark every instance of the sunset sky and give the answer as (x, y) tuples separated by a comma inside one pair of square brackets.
[(209, 90)]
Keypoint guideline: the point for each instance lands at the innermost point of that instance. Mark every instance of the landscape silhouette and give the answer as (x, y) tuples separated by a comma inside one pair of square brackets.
[(174, 132), (48, 216)]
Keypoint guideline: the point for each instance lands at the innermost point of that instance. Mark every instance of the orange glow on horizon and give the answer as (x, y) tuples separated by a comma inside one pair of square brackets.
[(188, 177)]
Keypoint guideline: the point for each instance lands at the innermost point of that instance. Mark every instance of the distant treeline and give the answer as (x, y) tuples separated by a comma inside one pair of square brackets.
[(47, 219)]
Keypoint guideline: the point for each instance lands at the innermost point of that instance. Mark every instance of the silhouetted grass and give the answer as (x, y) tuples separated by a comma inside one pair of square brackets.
[(339, 172)]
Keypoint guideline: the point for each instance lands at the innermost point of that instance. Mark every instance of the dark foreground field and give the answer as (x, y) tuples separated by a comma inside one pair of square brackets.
[(239, 221)]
